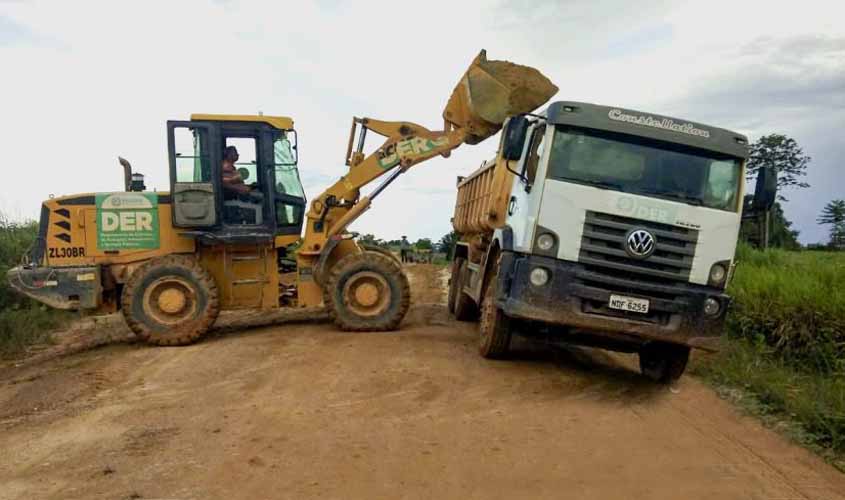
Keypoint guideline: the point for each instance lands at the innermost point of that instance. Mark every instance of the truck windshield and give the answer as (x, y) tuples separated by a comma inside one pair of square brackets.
[(641, 166)]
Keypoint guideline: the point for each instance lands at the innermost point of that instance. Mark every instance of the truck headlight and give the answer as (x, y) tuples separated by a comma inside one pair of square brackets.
[(539, 276), (718, 273), (711, 306), (545, 242)]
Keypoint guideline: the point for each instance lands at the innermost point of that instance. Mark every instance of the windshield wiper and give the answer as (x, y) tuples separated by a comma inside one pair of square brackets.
[(606, 185), (692, 200)]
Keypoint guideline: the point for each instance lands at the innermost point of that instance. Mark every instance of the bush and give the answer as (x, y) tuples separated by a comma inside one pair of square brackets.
[(794, 302), (784, 351), (22, 321)]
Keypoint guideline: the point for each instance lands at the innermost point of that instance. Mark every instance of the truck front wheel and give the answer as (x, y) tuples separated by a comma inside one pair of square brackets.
[(494, 328), (663, 362)]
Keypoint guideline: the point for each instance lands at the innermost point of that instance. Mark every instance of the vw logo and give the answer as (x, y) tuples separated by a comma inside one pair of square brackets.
[(640, 243)]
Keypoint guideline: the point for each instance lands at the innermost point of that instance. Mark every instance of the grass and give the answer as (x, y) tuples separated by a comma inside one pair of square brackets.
[(23, 322), (784, 349)]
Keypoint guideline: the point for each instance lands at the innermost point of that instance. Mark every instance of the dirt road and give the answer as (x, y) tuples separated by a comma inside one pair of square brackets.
[(300, 410)]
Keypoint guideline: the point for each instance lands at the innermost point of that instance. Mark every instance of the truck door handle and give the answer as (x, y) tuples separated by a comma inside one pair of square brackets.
[(512, 205)]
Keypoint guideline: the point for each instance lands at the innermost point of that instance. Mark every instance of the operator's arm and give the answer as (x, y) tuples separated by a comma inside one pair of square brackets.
[(232, 181)]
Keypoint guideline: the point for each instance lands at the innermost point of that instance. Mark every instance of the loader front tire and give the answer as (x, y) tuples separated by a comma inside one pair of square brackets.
[(170, 300), (367, 292)]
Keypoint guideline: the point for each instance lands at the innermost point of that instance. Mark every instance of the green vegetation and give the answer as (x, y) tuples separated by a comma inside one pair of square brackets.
[(784, 352), (22, 321)]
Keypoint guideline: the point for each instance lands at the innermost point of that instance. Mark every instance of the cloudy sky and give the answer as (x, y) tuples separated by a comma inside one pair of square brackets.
[(84, 82)]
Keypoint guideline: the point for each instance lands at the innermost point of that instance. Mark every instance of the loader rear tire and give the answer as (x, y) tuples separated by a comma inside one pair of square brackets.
[(465, 308), (170, 300), (494, 328), (367, 292)]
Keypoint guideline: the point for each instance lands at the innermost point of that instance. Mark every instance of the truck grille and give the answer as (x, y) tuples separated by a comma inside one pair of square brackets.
[(603, 247), (608, 268)]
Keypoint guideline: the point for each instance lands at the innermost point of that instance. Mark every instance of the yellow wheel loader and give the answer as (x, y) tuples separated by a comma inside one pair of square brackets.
[(228, 233)]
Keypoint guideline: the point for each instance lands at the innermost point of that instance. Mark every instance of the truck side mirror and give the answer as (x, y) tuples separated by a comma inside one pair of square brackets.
[(765, 192), (513, 137)]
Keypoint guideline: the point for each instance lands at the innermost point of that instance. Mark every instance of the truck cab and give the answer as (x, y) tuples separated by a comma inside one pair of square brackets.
[(611, 227)]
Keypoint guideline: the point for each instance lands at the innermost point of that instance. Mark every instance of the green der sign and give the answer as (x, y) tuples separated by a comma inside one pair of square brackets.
[(127, 221)]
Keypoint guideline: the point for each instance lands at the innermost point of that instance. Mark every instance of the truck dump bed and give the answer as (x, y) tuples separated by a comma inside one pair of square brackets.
[(482, 200)]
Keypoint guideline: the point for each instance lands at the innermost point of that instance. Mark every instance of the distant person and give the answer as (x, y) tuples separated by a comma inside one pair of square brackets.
[(233, 183), (405, 249)]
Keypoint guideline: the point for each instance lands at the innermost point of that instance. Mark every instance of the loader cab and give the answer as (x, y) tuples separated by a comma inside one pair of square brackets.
[(267, 199)]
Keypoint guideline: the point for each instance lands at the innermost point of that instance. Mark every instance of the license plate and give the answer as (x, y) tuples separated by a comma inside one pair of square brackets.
[(631, 304)]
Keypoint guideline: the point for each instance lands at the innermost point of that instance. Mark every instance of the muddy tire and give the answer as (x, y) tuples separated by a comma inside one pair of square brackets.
[(381, 250), (465, 308), (170, 301), (453, 284), (663, 362), (367, 292), (494, 328)]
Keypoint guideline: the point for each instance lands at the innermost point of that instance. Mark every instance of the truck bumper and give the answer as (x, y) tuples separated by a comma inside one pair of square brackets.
[(578, 298), (59, 287)]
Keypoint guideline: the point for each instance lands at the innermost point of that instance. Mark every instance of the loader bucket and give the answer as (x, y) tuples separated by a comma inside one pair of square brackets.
[(491, 91)]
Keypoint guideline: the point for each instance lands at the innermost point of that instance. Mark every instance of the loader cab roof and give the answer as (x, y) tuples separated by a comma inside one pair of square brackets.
[(279, 122), (649, 125)]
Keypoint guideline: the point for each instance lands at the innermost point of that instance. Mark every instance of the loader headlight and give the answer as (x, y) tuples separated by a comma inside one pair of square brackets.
[(539, 276), (545, 242)]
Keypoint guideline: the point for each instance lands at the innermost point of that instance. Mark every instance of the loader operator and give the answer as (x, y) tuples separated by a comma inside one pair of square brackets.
[(233, 183)]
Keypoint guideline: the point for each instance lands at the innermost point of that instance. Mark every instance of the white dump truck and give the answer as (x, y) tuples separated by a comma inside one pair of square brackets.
[(605, 227)]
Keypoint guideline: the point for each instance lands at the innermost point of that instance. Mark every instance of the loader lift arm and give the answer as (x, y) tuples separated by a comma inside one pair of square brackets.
[(485, 96), (487, 93), (406, 145)]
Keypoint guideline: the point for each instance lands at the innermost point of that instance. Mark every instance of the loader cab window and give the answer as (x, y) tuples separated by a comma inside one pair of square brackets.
[(243, 200), (192, 155), (290, 196), (247, 163)]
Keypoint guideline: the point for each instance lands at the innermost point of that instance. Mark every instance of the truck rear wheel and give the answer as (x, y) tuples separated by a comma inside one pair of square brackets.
[(367, 292), (663, 362), (453, 284), (170, 301), (494, 328), (465, 308)]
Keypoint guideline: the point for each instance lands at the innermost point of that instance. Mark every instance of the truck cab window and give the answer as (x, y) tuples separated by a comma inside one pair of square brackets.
[(192, 155), (637, 165), (535, 152)]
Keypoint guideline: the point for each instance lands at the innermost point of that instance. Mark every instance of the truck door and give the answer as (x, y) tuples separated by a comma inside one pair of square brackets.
[(525, 199), (194, 167)]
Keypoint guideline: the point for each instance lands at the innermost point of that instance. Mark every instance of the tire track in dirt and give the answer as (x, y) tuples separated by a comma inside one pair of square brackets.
[(300, 410)]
